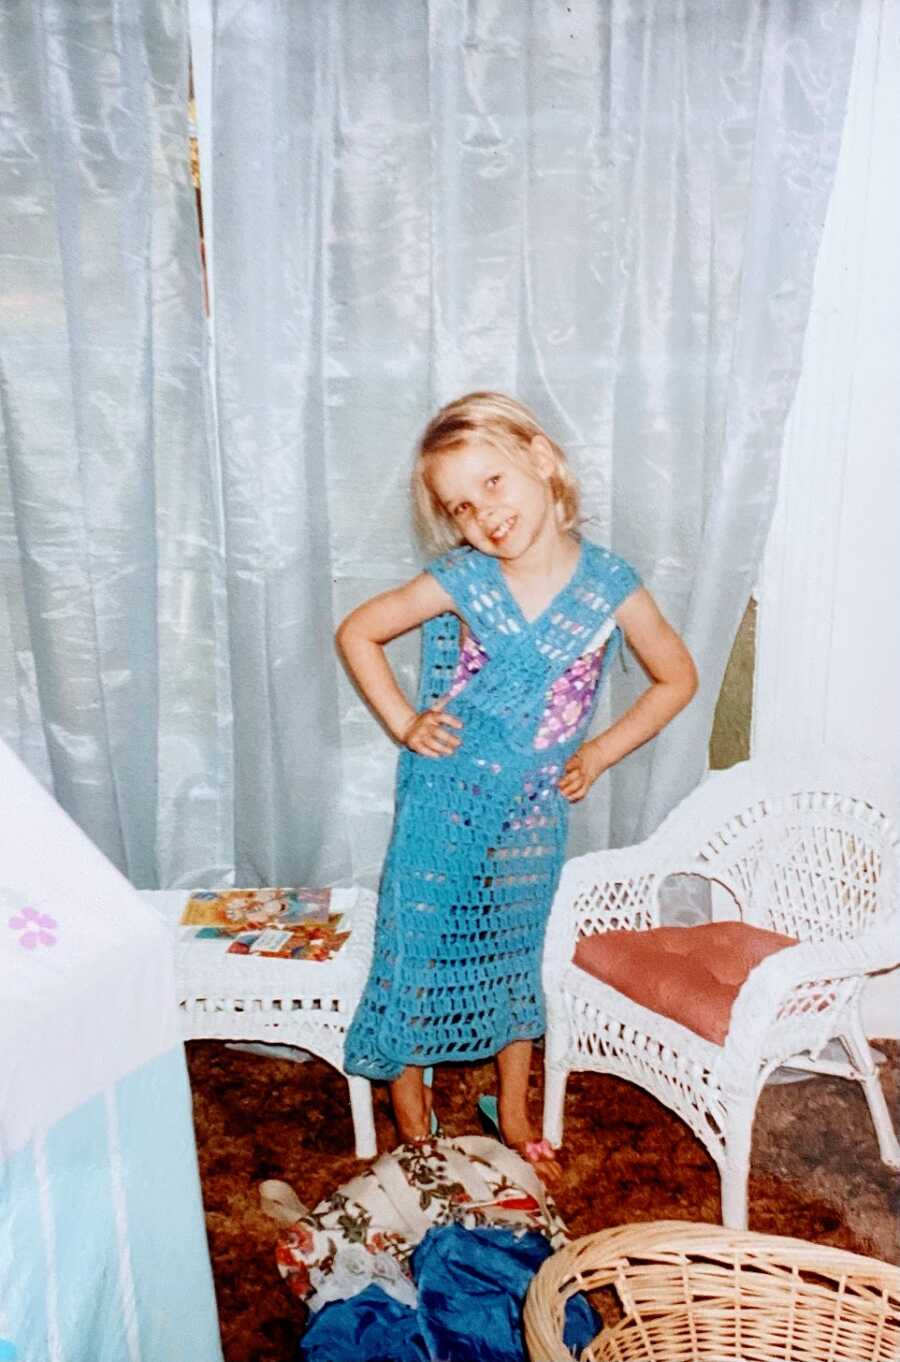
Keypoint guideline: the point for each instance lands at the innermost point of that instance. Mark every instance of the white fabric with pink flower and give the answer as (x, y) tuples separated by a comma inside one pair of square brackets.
[(34, 927), (86, 968)]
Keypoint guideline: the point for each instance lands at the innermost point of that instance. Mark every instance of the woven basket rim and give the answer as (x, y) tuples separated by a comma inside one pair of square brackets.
[(626, 1258)]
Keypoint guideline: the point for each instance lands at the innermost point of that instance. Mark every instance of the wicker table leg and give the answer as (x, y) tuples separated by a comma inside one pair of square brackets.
[(363, 1121)]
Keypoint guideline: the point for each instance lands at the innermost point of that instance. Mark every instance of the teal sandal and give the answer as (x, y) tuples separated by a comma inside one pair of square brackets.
[(434, 1125)]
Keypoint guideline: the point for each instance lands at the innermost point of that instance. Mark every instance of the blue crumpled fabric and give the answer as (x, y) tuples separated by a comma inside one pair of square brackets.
[(370, 1327), (472, 1286)]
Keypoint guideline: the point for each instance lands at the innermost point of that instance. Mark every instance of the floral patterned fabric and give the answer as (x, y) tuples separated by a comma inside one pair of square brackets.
[(383, 1214)]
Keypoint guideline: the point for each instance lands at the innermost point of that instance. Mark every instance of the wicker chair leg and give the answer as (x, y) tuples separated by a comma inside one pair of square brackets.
[(734, 1168), (363, 1120), (861, 1056), (555, 1078), (734, 1195)]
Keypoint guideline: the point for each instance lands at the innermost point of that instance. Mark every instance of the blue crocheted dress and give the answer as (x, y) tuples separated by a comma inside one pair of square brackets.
[(479, 837)]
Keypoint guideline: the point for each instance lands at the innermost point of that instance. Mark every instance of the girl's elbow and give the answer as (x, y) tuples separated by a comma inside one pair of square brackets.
[(343, 633), (682, 683), (690, 683), (352, 634)]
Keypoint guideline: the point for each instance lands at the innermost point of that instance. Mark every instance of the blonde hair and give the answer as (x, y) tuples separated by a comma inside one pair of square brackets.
[(492, 419)]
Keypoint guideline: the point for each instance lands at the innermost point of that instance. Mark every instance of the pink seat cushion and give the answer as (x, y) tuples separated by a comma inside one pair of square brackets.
[(691, 974)]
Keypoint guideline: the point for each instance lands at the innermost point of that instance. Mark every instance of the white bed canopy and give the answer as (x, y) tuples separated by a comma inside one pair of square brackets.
[(102, 1244)]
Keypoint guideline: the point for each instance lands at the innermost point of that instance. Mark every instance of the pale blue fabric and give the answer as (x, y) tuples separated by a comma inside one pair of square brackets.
[(480, 835), (102, 1240)]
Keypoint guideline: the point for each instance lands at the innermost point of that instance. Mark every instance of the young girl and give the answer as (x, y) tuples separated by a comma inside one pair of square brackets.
[(521, 620)]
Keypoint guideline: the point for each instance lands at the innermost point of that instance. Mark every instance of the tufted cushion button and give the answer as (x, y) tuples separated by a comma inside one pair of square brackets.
[(689, 974)]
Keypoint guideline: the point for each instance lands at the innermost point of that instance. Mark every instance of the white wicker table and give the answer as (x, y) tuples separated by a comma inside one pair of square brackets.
[(307, 1003)]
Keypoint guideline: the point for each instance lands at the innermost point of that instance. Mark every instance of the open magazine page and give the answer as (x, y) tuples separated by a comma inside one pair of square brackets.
[(279, 923)]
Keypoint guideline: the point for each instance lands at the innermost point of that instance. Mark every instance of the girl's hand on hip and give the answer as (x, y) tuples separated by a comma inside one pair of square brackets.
[(430, 733), (580, 772)]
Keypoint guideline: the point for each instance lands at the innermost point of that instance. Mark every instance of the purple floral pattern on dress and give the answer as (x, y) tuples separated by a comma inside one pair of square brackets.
[(568, 701), (472, 658), (38, 929)]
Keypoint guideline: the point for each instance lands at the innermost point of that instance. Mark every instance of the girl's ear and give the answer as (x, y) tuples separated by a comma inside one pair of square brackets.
[(543, 456)]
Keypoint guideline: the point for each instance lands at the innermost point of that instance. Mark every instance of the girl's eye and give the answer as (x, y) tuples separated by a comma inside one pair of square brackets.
[(461, 508), (493, 481)]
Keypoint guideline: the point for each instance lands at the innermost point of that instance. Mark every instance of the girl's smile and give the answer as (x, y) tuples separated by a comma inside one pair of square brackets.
[(499, 507), (503, 529)]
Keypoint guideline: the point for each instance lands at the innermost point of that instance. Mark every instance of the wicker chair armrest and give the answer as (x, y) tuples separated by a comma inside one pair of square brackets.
[(602, 891), (803, 980), (617, 889)]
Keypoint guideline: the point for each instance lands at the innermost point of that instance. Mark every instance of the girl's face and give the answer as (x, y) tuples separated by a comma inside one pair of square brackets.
[(500, 507)]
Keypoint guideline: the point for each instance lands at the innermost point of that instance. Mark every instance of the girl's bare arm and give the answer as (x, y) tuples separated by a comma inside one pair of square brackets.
[(361, 638), (673, 681)]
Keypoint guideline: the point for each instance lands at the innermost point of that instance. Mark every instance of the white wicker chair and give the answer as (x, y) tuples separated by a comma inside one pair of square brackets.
[(805, 848)]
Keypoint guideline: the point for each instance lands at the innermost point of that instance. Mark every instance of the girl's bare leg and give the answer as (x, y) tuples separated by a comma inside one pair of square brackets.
[(513, 1073), (412, 1104), (516, 1127)]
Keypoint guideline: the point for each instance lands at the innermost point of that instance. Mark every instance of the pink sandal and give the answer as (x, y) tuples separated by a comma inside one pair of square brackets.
[(535, 1152), (540, 1154)]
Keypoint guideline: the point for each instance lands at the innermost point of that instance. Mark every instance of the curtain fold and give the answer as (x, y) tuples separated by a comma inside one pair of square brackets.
[(112, 661), (611, 210), (272, 320), (774, 150)]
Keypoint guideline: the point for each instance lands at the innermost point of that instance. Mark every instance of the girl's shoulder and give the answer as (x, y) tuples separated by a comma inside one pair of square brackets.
[(601, 572), (608, 574)]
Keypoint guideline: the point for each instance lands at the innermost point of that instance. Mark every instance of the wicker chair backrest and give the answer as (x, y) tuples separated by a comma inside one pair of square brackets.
[(816, 866)]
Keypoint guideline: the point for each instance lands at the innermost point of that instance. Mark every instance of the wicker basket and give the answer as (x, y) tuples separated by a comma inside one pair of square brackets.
[(701, 1293)]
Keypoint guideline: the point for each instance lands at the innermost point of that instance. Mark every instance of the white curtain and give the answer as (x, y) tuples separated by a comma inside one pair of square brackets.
[(113, 650), (609, 209)]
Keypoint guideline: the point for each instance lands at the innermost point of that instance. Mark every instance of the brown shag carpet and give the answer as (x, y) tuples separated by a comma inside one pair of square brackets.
[(816, 1172)]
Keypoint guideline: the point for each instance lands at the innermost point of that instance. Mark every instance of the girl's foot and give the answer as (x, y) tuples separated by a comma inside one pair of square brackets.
[(412, 1102), (539, 1153), (519, 1134), (542, 1157), (413, 1131), (431, 1124)]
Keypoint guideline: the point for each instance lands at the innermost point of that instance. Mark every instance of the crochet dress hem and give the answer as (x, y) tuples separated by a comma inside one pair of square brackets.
[(377, 1073)]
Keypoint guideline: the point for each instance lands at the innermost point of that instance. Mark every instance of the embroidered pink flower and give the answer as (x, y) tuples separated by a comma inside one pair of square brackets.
[(38, 929)]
